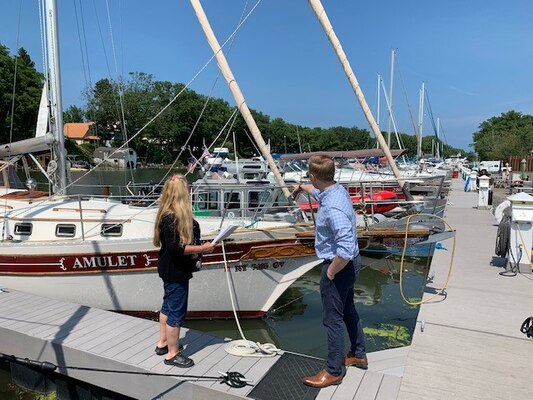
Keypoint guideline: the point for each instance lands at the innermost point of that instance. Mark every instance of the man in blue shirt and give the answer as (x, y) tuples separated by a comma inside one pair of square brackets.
[(336, 244)]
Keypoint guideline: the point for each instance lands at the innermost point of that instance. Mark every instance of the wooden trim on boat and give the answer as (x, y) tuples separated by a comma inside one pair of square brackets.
[(281, 251), (24, 195), (107, 221), (78, 210)]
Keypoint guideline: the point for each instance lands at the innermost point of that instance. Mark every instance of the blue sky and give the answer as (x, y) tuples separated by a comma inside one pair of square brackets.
[(474, 56)]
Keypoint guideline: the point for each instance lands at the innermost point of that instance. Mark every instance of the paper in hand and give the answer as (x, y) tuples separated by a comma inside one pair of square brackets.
[(225, 232)]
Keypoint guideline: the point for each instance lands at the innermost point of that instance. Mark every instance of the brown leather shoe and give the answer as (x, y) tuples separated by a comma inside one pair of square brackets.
[(322, 379), (350, 360)]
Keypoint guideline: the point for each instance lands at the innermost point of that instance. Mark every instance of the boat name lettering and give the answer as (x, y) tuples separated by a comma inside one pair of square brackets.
[(258, 266), (105, 261)]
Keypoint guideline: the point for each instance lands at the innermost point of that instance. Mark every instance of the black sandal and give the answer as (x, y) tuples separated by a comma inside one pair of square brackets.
[(161, 351), (179, 360)]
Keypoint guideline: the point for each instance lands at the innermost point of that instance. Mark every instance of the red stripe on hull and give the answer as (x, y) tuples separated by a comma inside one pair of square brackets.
[(113, 261)]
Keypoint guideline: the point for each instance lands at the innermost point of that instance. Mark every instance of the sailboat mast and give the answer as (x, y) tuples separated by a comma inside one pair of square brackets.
[(237, 94), (54, 79), (393, 54), (320, 12), (420, 120)]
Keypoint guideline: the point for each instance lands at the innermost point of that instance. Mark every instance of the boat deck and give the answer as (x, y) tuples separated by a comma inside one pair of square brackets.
[(67, 334), (471, 346)]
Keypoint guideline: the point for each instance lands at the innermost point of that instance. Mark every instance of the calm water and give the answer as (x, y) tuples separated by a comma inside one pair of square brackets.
[(294, 323)]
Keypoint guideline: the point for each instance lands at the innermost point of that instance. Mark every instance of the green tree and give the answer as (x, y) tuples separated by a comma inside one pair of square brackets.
[(19, 117), (510, 134), (73, 114)]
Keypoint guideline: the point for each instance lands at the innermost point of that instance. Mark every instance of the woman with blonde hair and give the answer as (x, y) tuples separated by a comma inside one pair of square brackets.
[(178, 235)]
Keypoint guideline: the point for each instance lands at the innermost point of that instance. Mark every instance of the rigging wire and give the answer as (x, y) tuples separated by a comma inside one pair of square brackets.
[(163, 109), (406, 98)]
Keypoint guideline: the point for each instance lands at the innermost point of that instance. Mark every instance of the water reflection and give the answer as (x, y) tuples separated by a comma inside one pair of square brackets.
[(295, 321)]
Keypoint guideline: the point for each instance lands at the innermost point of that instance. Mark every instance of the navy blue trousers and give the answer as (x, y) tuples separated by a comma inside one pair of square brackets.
[(339, 313)]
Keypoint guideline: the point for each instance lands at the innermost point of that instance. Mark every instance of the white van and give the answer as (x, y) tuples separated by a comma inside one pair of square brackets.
[(491, 167)]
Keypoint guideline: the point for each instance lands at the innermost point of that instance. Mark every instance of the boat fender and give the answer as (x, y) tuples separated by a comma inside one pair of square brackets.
[(504, 208), (467, 184)]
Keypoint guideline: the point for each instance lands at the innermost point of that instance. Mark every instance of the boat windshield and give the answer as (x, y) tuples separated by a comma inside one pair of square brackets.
[(13, 181)]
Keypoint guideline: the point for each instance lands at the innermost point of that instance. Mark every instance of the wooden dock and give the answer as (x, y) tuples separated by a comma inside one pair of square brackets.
[(67, 334), (471, 346)]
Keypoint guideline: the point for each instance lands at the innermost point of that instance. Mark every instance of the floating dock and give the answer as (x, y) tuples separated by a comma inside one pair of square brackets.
[(471, 346), (71, 335)]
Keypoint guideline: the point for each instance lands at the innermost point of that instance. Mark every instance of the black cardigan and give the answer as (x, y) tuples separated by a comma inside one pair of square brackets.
[(173, 265)]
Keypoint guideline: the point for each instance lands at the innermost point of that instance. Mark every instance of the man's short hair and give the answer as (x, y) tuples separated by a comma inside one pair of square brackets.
[(322, 167)]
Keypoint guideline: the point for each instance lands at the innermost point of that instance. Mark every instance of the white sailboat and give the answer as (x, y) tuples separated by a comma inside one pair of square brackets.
[(99, 252)]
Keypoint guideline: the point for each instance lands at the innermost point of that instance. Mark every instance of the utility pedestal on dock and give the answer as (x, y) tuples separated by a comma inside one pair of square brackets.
[(483, 192), (521, 231)]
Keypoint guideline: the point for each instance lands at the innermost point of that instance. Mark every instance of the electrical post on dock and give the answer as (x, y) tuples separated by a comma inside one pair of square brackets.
[(521, 231), (483, 192)]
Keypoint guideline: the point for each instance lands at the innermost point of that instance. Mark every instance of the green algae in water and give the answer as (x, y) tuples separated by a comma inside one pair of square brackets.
[(389, 334)]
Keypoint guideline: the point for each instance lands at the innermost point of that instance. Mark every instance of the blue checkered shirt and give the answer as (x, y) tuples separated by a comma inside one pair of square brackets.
[(335, 227)]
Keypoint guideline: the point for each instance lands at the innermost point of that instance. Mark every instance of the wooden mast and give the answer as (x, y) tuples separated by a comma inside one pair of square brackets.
[(237, 94), (320, 12)]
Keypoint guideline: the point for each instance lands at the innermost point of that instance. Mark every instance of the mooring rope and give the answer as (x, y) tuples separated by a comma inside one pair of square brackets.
[(230, 378), (244, 347)]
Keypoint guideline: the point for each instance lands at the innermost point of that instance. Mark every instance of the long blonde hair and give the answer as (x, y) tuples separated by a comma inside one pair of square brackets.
[(175, 200)]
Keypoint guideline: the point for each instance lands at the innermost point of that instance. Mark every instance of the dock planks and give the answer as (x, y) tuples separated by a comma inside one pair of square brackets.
[(68, 334), (471, 346)]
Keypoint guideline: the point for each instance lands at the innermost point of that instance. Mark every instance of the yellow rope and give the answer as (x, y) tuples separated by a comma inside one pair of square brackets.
[(441, 290)]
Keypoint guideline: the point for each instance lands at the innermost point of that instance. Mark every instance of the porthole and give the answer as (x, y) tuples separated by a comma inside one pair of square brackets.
[(65, 230), (23, 228), (111, 230)]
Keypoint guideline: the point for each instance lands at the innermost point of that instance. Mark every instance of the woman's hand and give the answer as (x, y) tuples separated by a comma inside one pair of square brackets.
[(207, 247)]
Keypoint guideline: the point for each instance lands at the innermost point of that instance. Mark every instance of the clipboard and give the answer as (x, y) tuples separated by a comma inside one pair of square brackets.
[(224, 233)]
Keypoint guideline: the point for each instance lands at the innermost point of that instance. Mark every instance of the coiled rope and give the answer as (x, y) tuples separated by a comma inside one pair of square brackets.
[(527, 327), (503, 237)]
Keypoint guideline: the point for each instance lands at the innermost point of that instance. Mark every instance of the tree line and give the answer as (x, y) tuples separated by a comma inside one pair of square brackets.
[(122, 110)]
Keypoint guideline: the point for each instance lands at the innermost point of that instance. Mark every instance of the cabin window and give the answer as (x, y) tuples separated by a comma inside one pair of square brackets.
[(65, 230), (232, 200), (281, 200), (111, 230), (207, 201), (257, 198), (23, 228)]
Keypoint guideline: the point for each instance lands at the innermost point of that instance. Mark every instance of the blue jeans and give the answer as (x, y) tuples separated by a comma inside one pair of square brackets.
[(175, 302), (338, 312)]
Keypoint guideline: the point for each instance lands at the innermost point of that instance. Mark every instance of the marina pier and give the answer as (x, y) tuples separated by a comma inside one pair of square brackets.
[(467, 343)]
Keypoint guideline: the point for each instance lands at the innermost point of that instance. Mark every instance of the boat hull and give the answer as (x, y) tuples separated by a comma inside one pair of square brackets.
[(127, 280)]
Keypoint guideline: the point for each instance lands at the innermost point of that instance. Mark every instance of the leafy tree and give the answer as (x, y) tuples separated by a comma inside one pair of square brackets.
[(73, 114), (498, 138), (28, 88)]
